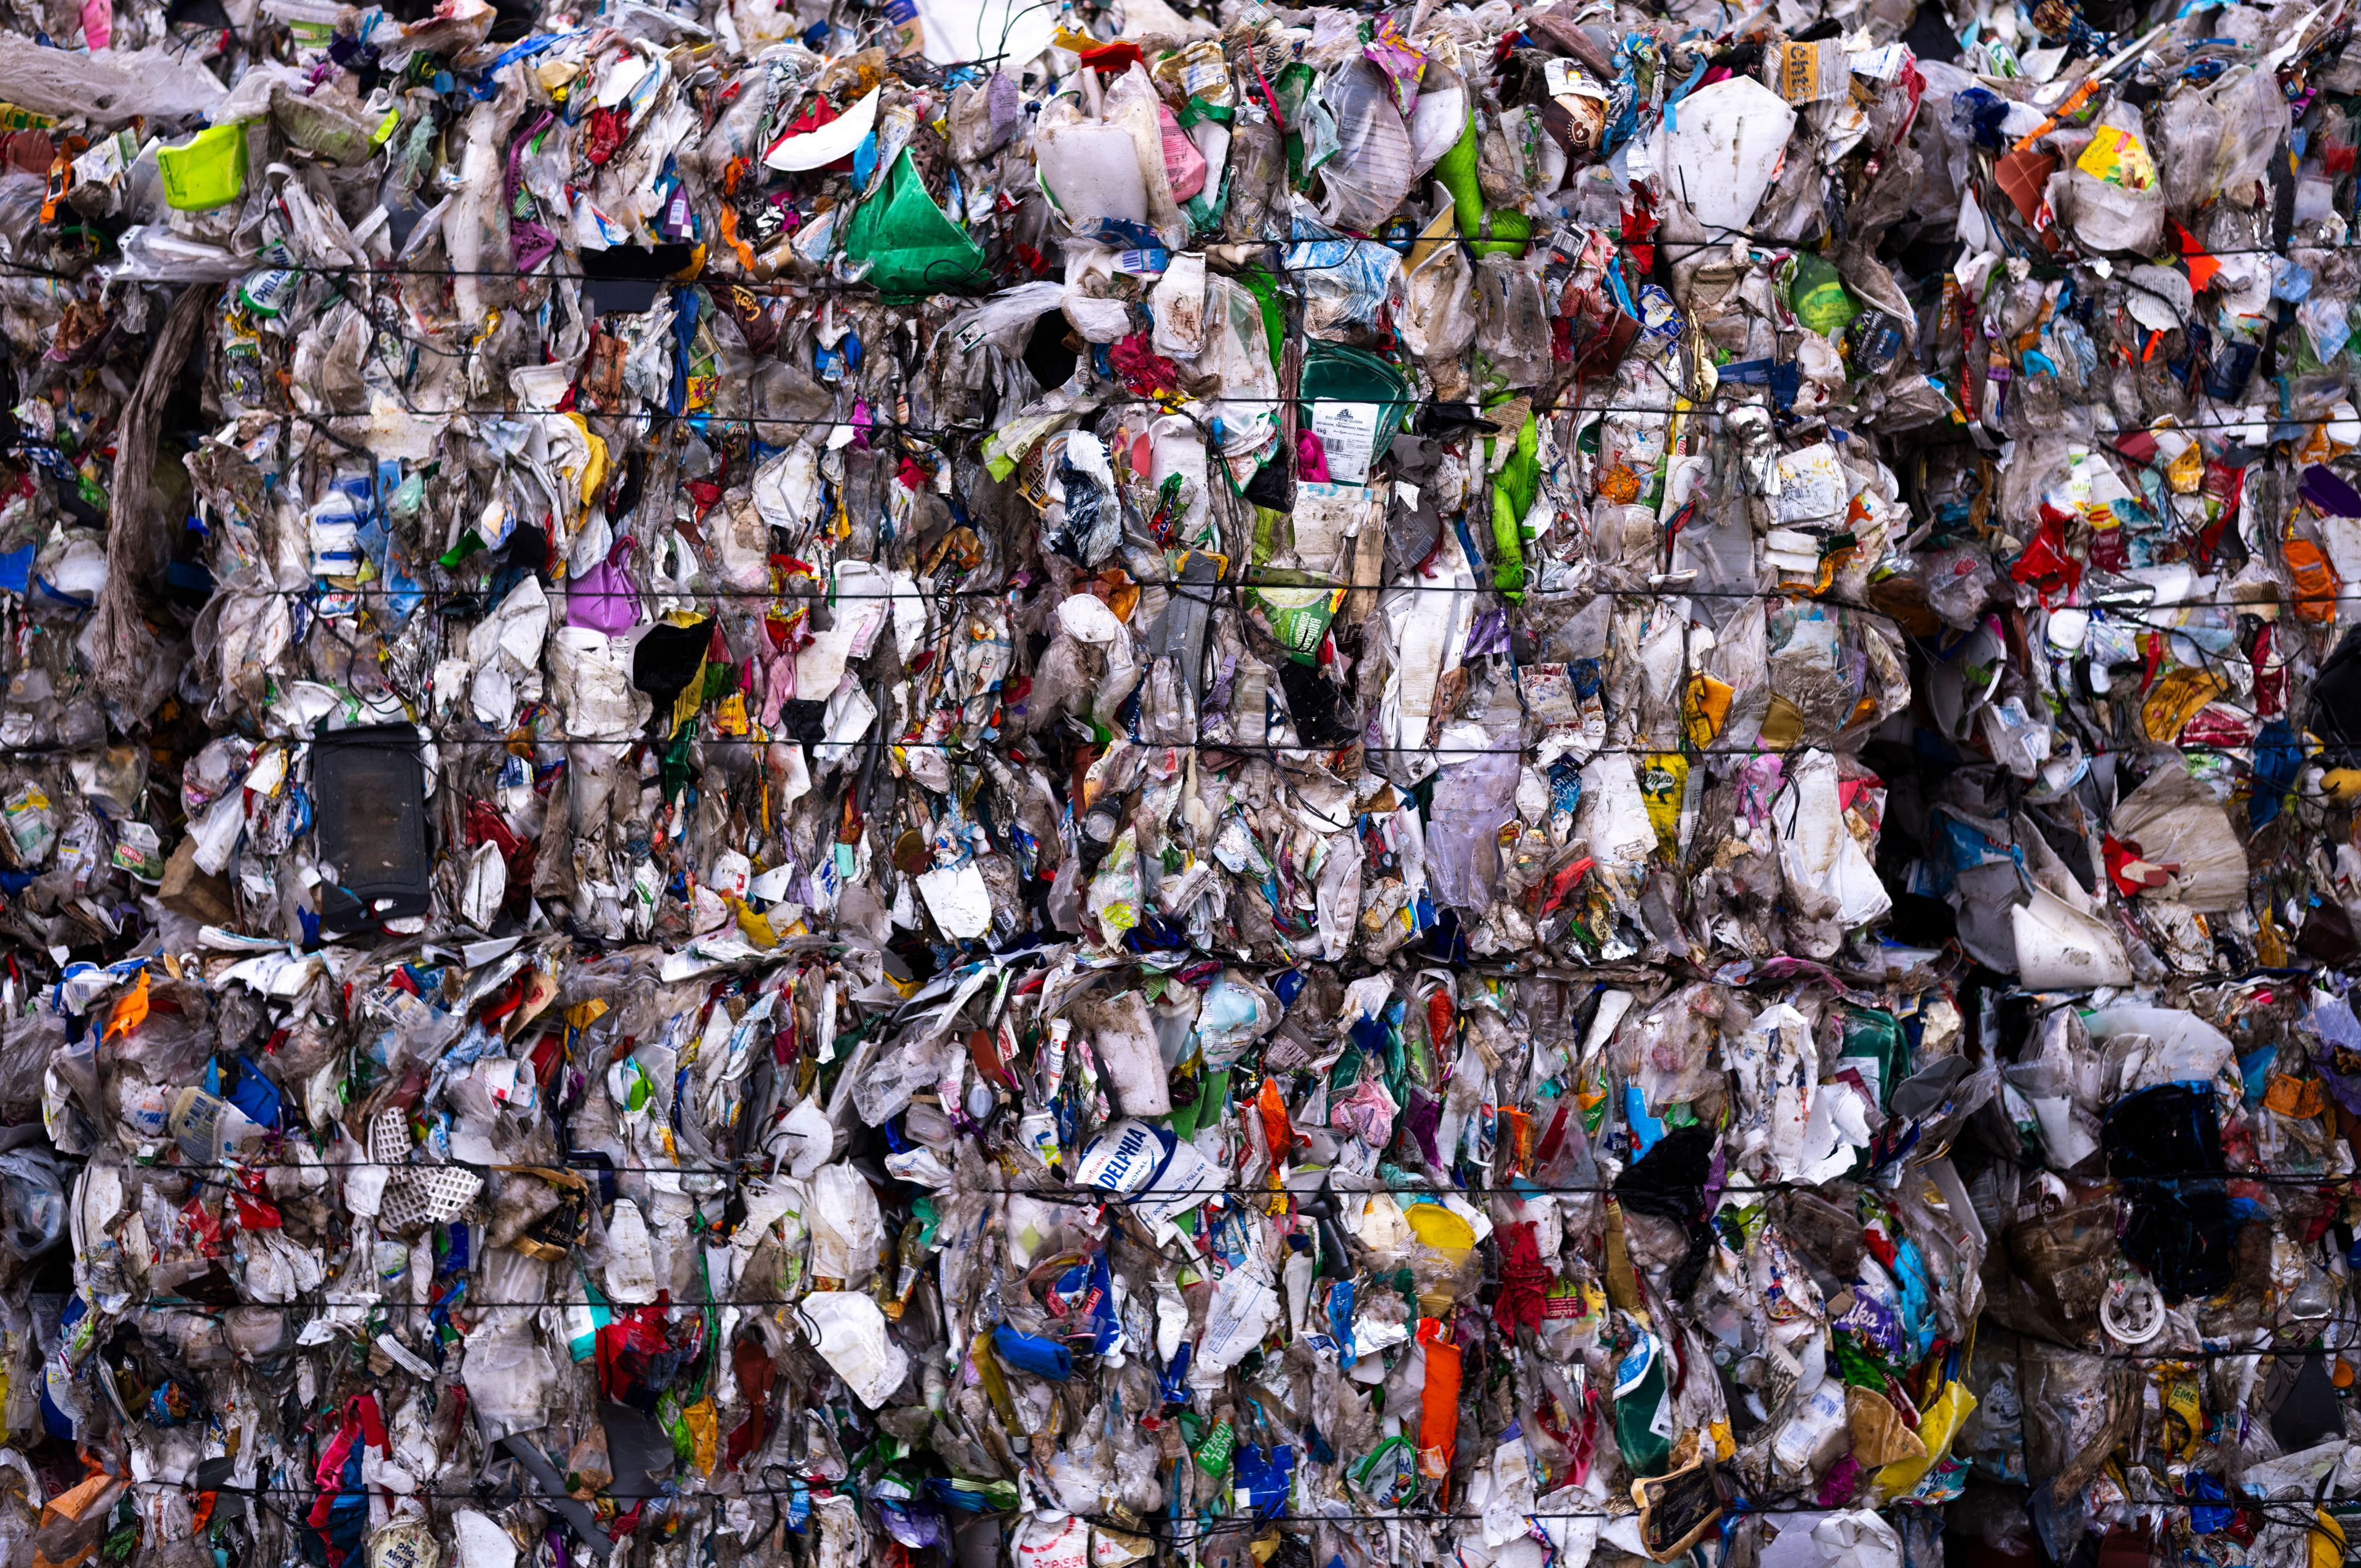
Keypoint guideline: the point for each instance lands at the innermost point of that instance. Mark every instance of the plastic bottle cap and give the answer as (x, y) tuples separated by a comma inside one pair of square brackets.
[(2133, 1311)]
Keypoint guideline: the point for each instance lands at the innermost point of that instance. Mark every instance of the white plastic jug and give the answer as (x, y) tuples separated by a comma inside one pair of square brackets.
[(1094, 173)]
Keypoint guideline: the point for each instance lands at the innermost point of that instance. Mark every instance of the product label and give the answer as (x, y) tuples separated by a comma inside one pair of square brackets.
[(269, 292), (139, 850), (2119, 158), (1065, 1544), (1124, 1158), (1348, 436), (108, 157)]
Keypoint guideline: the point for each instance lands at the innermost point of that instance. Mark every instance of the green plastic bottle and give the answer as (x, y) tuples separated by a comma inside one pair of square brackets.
[(1485, 230), (1818, 295)]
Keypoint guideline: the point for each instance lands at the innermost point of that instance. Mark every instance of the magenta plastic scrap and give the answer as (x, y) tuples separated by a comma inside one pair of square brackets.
[(1043, 785)]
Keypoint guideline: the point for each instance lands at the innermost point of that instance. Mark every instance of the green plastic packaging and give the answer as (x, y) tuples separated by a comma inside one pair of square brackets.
[(1485, 230), (1639, 1389), (1873, 1039), (1514, 489), (1296, 609), (911, 246), (1817, 296)]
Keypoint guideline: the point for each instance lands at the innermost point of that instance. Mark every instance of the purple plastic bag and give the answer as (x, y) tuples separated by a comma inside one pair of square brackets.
[(604, 597)]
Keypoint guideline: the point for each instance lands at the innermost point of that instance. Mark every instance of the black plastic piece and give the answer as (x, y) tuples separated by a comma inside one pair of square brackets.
[(369, 810)]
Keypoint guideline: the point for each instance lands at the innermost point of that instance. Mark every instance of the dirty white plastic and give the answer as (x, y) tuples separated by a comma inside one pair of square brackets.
[(958, 899), (847, 1229), (1373, 169), (850, 1330), (482, 1542), (108, 87), (2110, 216), (1094, 173), (2059, 948), (1726, 150), (1123, 1037), (2182, 1045), (2177, 822), (631, 1256)]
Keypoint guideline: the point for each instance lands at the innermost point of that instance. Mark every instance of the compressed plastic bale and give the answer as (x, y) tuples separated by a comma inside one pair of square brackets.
[(1145, 853)]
